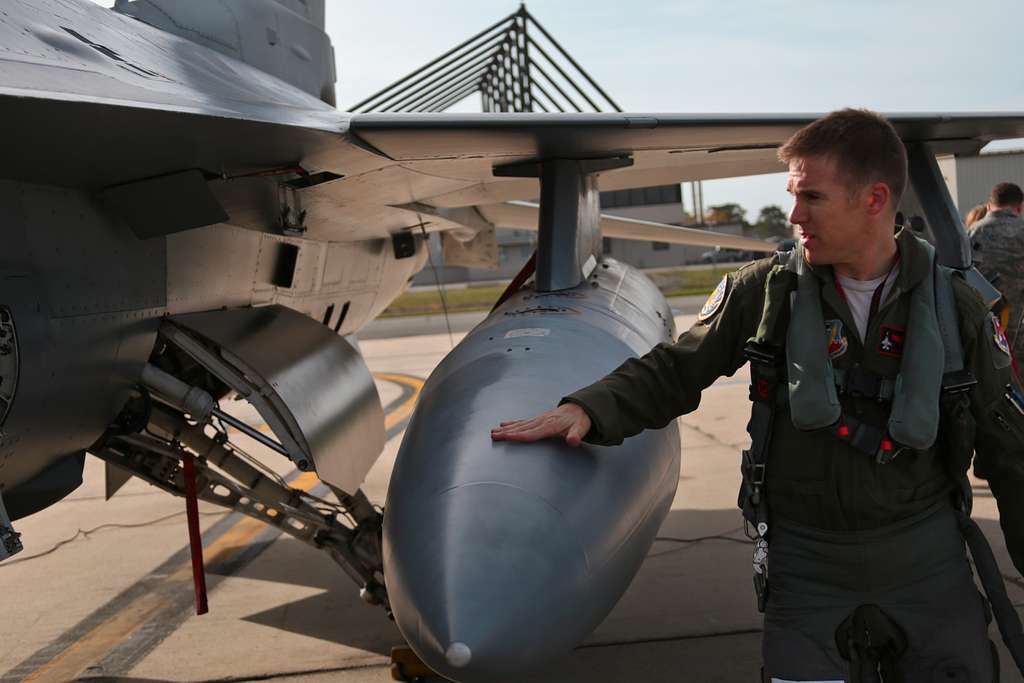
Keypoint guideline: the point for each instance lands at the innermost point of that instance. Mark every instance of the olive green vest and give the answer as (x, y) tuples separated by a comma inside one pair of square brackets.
[(814, 403)]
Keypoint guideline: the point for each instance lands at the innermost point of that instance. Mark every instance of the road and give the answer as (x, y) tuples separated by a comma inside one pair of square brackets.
[(101, 591)]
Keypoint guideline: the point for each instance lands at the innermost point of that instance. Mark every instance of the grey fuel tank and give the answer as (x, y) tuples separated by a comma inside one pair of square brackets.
[(501, 557)]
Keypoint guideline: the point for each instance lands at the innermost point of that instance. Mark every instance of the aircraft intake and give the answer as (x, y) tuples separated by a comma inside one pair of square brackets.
[(498, 556)]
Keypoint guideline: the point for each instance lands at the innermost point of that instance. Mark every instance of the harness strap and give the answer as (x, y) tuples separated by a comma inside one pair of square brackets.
[(766, 358), (1005, 614)]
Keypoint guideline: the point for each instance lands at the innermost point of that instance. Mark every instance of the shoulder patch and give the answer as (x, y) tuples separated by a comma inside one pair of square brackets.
[(999, 337), (837, 342), (715, 301)]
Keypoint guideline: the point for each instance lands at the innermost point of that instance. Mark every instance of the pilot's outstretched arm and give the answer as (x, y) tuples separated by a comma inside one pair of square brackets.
[(999, 439), (648, 392)]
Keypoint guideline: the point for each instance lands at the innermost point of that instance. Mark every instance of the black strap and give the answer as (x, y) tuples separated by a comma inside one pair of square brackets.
[(876, 298), (991, 579), (765, 370)]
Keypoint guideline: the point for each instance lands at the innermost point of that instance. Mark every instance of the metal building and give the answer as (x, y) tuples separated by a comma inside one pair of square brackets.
[(971, 178), (661, 204)]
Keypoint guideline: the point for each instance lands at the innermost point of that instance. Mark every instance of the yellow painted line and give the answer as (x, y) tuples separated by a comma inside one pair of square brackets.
[(405, 409), (398, 414), (92, 646)]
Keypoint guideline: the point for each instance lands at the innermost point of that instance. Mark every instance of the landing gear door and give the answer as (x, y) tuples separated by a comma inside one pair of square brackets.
[(310, 385)]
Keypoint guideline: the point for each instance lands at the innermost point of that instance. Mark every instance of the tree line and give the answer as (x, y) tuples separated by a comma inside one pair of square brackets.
[(771, 220)]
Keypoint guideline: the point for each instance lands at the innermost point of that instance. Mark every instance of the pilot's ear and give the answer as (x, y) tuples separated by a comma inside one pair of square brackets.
[(878, 197)]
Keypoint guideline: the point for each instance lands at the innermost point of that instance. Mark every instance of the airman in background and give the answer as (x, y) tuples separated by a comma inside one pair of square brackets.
[(998, 244)]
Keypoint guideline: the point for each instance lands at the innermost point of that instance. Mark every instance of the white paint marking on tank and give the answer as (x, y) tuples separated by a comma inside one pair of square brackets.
[(588, 266), (458, 655), (528, 332)]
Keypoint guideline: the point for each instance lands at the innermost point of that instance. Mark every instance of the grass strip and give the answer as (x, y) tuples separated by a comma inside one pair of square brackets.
[(681, 282)]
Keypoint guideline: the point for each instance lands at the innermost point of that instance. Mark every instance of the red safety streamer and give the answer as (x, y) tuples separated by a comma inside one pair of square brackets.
[(195, 540), (518, 281)]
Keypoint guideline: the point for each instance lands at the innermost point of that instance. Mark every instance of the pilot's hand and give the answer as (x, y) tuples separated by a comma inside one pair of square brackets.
[(567, 420)]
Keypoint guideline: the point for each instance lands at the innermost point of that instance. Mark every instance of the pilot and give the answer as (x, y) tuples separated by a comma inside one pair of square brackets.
[(867, 410)]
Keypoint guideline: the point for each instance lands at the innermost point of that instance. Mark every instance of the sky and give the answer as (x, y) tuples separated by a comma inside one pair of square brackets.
[(708, 56)]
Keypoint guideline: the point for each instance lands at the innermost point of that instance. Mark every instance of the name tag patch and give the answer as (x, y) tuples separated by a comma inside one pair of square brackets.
[(891, 343)]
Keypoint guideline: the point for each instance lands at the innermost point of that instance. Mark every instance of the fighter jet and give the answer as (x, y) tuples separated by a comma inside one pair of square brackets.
[(186, 216)]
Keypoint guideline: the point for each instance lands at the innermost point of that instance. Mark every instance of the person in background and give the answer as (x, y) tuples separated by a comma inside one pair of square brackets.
[(997, 241), (975, 215)]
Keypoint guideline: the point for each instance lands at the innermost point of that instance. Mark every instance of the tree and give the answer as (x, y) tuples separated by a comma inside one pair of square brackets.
[(772, 222), (726, 213)]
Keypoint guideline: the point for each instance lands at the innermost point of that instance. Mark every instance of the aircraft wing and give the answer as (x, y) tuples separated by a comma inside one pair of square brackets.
[(449, 161), (666, 148), (93, 99), (525, 215)]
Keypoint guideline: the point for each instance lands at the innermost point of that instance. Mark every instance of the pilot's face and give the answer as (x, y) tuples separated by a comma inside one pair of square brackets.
[(831, 223)]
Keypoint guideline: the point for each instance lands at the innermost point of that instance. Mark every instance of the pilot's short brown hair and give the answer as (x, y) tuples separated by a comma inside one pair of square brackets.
[(1006, 194), (864, 146)]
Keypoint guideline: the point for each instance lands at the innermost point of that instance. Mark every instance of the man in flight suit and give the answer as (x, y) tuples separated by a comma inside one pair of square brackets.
[(864, 536)]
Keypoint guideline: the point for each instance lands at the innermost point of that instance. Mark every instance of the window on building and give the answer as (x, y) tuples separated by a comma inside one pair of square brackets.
[(606, 245), (660, 246), (643, 196)]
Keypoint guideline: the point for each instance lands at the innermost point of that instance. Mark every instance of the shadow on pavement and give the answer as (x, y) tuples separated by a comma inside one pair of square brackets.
[(335, 614), (688, 615)]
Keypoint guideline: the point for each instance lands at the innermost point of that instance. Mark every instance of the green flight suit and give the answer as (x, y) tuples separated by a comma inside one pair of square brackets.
[(814, 480)]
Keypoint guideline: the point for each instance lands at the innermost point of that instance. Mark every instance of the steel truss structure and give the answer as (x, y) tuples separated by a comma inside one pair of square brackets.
[(507, 65)]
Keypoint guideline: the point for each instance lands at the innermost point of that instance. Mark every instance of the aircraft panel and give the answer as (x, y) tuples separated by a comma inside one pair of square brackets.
[(83, 52), (90, 263), (211, 267), (85, 297)]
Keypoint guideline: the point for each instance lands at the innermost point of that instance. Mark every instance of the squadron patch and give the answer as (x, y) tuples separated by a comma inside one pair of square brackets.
[(999, 336), (837, 342), (891, 343), (715, 301)]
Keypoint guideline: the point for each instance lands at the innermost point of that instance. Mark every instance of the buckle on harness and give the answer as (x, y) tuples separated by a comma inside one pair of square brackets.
[(958, 381), (765, 354), (867, 439), (860, 382), (887, 451)]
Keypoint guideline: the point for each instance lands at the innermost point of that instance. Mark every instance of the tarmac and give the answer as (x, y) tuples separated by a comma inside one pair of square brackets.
[(102, 591)]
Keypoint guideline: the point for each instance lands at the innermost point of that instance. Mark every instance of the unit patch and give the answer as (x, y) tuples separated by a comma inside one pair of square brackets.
[(837, 342), (715, 301), (891, 343), (999, 336)]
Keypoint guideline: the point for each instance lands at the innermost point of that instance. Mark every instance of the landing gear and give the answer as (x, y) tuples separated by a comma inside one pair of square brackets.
[(348, 530)]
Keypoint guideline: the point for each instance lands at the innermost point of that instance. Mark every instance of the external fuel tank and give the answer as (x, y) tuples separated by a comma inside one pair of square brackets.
[(499, 556)]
